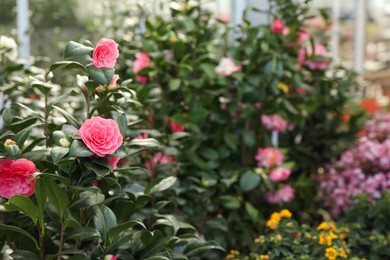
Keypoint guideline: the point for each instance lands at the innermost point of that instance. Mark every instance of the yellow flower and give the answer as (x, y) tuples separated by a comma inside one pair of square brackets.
[(331, 253), (282, 86), (323, 226), (234, 252), (326, 238), (285, 213), (264, 257), (343, 236), (342, 253), (332, 226), (275, 216), (272, 224)]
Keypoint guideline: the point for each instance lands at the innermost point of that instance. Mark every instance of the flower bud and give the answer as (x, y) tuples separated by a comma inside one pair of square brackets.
[(12, 148), (64, 142)]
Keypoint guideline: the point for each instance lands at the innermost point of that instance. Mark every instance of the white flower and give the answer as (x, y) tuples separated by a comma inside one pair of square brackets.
[(227, 67), (10, 44)]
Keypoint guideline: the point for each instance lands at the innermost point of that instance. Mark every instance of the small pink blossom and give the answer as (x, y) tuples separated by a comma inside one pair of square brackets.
[(285, 31), (273, 123), (141, 62), (319, 51), (269, 157), (113, 162), (226, 67), (113, 81), (176, 127), (102, 136), (105, 54), (142, 136), (277, 26), (301, 91), (303, 35), (142, 79), (285, 194), (279, 174), (158, 159), (15, 176)]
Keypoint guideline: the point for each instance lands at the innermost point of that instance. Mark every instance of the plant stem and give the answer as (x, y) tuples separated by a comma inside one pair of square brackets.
[(46, 122), (40, 243), (62, 239)]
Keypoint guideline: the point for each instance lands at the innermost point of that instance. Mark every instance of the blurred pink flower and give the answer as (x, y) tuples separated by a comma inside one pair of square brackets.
[(277, 26), (279, 174), (142, 136), (113, 84), (269, 157), (113, 162), (273, 123), (319, 51), (142, 79), (158, 159), (285, 194), (176, 127), (303, 35), (226, 67), (142, 61)]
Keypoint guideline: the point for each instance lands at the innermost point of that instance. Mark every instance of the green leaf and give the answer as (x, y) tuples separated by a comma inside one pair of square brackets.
[(160, 184), (252, 212), (24, 204), (23, 255), (101, 75), (229, 202), (68, 252), (198, 248), (83, 233), (249, 181), (104, 220), (115, 231), (22, 135), (57, 153), (40, 195), (74, 49), (171, 220), (68, 65), (69, 118), (174, 84), (122, 122), (88, 199), (57, 197), (231, 140), (79, 149), (208, 69), (148, 142), (20, 231), (100, 170)]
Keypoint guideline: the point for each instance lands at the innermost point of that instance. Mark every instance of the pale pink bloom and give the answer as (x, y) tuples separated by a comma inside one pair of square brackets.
[(303, 35), (176, 127), (114, 80), (285, 194), (269, 157), (113, 162), (285, 31), (317, 23), (319, 51), (102, 136), (301, 91), (273, 123), (277, 26), (158, 159), (142, 136), (223, 106), (105, 54), (14, 177), (226, 67), (142, 79), (279, 174), (142, 61)]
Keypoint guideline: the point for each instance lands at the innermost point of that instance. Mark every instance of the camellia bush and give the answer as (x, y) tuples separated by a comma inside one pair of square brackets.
[(258, 109), (69, 178)]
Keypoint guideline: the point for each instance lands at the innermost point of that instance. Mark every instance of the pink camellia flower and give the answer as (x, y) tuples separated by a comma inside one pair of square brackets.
[(319, 51), (113, 84), (158, 159), (142, 79), (113, 162), (285, 194), (142, 61), (176, 127), (227, 67), (279, 174), (285, 31), (269, 157), (105, 54), (274, 123), (100, 135), (14, 177), (303, 35), (142, 136), (277, 26)]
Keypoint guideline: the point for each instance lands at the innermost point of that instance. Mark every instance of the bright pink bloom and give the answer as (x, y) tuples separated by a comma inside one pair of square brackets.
[(113, 162), (113, 81), (142, 79), (176, 127), (14, 177), (158, 159), (141, 62), (269, 157), (279, 174), (274, 123), (102, 136), (227, 67), (319, 51), (105, 54), (277, 26), (285, 194), (114, 257)]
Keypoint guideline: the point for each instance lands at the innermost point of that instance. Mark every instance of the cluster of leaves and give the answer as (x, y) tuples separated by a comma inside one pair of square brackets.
[(223, 191), (82, 208)]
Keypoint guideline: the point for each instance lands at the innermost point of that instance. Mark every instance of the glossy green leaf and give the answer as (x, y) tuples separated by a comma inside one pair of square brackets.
[(148, 142), (115, 231), (174, 84), (20, 231), (24, 204), (249, 180), (57, 153), (104, 219), (79, 149), (68, 65), (83, 233), (101, 75), (74, 49), (160, 184), (23, 255), (229, 202)]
